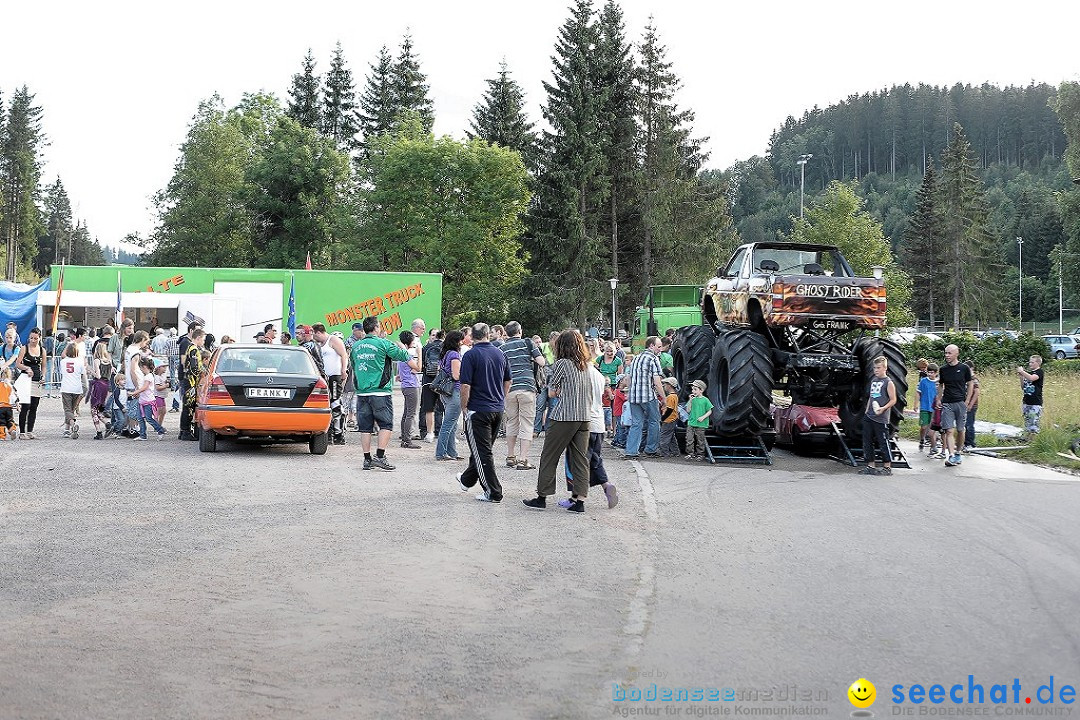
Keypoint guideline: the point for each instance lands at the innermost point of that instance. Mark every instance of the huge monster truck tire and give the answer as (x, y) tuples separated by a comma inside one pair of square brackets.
[(853, 407), (692, 353), (740, 384)]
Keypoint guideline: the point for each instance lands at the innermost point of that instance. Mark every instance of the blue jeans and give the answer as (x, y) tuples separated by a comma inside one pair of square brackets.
[(645, 419), (969, 433), (621, 431), (146, 415), (118, 416), (543, 402), (447, 444)]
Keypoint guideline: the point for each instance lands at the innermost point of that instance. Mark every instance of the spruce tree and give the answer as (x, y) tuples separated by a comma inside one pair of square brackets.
[(55, 243), (304, 106), (923, 242), (20, 172), (567, 255), (618, 124), (378, 109), (500, 117), (410, 85), (670, 162), (966, 240), (339, 120)]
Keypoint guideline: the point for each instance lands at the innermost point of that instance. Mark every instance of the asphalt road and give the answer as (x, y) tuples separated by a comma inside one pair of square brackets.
[(144, 579)]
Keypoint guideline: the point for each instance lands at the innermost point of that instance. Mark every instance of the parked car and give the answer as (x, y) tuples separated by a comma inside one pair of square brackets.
[(1063, 346), (271, 393)]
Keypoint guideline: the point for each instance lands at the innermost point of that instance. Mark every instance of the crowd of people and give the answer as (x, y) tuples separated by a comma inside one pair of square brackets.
[(479, 382)]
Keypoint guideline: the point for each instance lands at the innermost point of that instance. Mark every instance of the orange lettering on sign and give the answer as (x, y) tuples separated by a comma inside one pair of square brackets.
[(377, 306)]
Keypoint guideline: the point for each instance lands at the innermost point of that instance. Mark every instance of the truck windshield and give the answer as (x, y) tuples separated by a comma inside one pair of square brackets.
[(795, 261)]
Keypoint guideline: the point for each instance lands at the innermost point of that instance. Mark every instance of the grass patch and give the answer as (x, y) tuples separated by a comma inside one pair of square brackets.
[(999, 402)]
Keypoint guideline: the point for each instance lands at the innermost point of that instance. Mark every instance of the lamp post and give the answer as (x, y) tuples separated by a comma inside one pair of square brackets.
[(614, 282), (1020, 245), (801, 162)]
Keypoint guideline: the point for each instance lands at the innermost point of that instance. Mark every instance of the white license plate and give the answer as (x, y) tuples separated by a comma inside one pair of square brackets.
[(274, 393)]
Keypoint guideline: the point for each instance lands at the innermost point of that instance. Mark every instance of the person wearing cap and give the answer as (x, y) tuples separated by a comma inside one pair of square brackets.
[(700, 409), (260, 337), (305, 338), (669, 445)]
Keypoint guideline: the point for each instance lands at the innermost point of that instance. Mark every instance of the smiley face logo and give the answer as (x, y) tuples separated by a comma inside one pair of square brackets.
[(862, 693)]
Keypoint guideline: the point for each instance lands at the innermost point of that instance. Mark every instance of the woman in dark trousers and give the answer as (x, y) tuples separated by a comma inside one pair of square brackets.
[(33, 360), (569, 421)]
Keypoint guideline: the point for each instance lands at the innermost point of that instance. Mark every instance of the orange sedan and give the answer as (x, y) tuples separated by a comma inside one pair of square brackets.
[(266, 392)]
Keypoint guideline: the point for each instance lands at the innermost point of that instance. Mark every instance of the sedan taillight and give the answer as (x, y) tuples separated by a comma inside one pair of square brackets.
[(320, 388), (217, 389)]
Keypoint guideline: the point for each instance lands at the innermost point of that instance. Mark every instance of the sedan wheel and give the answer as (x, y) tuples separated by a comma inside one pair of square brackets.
[(1060, 354), (317, 444), (208, 441)]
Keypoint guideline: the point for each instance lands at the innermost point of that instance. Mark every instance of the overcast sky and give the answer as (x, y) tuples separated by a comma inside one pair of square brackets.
[(120, 81)]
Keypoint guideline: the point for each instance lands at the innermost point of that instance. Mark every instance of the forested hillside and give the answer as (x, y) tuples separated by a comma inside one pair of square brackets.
[(883, 142)]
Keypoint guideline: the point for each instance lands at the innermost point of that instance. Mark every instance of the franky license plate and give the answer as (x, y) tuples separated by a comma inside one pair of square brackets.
[(821, 325), (273, 393)]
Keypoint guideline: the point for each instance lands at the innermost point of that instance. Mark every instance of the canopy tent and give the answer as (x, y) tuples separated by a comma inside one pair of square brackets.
[(86, 298), (17, 303)]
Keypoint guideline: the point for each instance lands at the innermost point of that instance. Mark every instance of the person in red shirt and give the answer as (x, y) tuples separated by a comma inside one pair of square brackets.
[(618, 405)]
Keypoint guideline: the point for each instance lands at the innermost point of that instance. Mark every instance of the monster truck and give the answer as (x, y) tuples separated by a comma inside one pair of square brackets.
[(792, 317)]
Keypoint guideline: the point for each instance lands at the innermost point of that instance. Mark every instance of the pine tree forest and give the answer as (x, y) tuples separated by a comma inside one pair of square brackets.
[(611, 181)]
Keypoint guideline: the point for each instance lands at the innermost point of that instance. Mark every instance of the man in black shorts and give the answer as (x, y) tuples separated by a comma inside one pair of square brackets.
[(955, 387)]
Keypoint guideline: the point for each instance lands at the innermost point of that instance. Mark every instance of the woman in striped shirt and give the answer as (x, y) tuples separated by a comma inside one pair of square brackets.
[(569, 421)]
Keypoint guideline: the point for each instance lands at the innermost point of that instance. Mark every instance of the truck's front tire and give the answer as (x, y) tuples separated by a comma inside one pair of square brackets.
[(740, 384)]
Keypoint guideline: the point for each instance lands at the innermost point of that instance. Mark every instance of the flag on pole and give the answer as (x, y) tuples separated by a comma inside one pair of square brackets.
[(307, 264), (119, 302), (59, 292), (292, 306)]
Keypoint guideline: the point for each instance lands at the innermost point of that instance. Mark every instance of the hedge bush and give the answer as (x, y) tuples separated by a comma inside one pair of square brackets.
[(999, 352)]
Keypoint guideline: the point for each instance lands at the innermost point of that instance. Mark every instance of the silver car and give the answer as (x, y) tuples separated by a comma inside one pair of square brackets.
[(1062, 346)]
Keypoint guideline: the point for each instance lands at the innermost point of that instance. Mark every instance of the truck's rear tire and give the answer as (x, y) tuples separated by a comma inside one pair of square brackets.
[(853, 407), (740, 384), (692, 353)]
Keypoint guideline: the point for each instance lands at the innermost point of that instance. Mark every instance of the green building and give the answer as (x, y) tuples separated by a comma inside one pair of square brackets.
[(239, 302)]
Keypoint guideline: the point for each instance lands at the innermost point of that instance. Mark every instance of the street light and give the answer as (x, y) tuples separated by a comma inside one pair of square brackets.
[(1020, 244), (801, 162), (614, 282)]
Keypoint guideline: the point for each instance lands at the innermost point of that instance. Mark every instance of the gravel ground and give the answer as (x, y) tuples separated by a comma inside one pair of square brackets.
[(147, 579)]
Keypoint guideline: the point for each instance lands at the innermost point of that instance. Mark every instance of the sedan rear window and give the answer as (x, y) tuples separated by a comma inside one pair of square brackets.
[(269, 360)]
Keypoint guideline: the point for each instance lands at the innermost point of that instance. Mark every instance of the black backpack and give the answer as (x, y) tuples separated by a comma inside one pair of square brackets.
[(431, 357)]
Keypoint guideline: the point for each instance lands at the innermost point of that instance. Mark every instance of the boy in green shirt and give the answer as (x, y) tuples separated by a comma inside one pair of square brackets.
[(700, 412)]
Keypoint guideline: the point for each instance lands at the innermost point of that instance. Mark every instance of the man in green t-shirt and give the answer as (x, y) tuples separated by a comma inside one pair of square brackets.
[(373, 367), (667, 363), (700, 411)]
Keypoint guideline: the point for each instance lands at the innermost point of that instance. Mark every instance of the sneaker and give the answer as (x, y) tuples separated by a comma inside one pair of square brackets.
[(885, 471), (13, 435), (566, 503), (652, 455), (430, 437), (486, 497), (958, 458), (949, 462), (160, 436), (869, 470), (108, 430), (922, 444), (140, 438), (29, 436), (382, 463), (410, 445), (536, 503), (511, 461), (339, 440), (939, 455), (460, 484), (688, 457), (577, 506), (75, 431), (612, 495), (99, 436), (367, 464), (67, 433)]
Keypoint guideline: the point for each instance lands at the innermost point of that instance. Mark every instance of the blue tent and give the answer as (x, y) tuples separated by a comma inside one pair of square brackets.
[(18, 302)]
